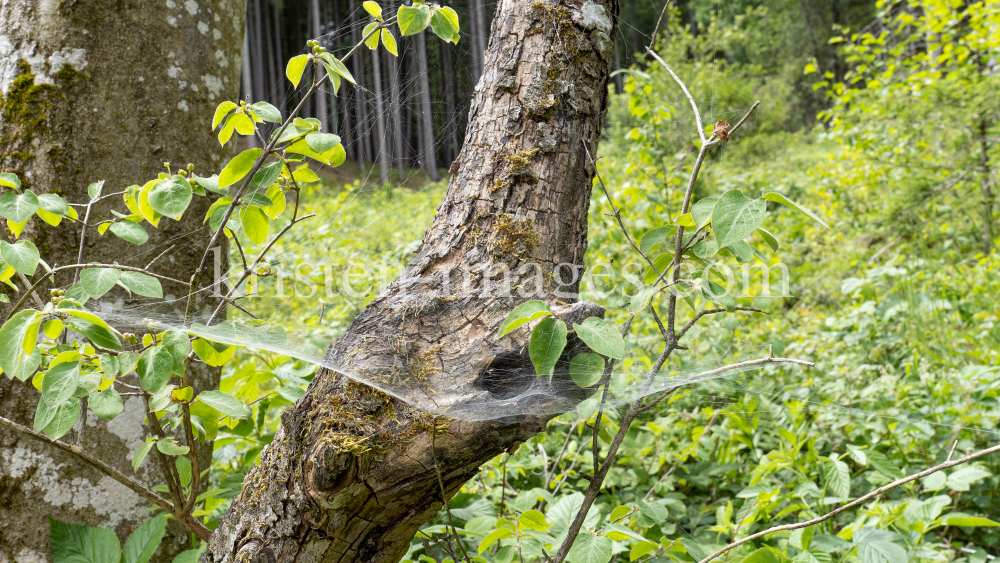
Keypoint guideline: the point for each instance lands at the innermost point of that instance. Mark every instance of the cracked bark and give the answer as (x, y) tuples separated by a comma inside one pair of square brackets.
[(349, 476)]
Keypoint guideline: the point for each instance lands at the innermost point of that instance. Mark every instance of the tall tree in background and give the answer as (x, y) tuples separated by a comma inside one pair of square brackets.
[(427, 146), (317, 495), (87, 95), (314, 29)]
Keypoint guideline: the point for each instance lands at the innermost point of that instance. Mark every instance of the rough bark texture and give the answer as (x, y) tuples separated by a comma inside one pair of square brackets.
[(349, 476), (103, 90)]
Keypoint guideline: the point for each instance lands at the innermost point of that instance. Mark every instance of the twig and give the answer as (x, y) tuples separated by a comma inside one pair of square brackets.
[(694, 106), (852, 504), (444, 496)]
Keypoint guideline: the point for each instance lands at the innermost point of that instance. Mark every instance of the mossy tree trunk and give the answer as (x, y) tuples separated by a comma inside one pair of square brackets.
[(350, 475), (104, 90)]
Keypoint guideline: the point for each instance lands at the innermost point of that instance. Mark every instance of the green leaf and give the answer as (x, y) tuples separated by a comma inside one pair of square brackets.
[(882, 464), (589, 548), (778, 198), (238, 167), (88, 383), (141, 284), (768, 238), (210, 184), (934, 481), (209, 418), (221, 112), (263, 179), (191, 555), (22, 256), (763, 555), (94, 190), (12, 337), (601, 337), (838, 478), (548, 340), (63, 420), (389, 41), (179, 345), (505, 555), (374, 9), (255, 223), (141, 545), (654, 510), (968, 521), (267, 112), (413, 19), (170, 197), (735, 216), (60, 381), (9, 180), (701, 212), (718, 294), (106, 404), (53, 204), (43, 414), (962, 479), (28, 366), (170, 446), (443, 27), (211, 354), (333, 63), (141, 454), (654, 237), (224, 403), (130, 232), (296, 66), (533, 520), (524, 313), (18, 207), (642, 297), (586, 369), (493, 537), (371, 41), (322, 142), (98, 281), (72, 543), (94, 328), (154, 368)]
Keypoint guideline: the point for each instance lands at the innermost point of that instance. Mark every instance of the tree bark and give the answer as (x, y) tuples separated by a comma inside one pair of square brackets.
[(383, 147), (314, 28), (426, 113), (350, 475), (450, 109), (86, 95), (397, 119), (361, 128)]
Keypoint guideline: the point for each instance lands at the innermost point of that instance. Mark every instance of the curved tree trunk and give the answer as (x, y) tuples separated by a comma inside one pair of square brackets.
[(104, 90), (350, 475)]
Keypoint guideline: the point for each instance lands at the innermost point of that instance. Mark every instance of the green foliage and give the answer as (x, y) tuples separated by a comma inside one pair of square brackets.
[(72, 543)]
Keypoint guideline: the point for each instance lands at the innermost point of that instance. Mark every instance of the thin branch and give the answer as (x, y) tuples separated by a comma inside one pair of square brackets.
[(41, 280), (652, 38), (852, 504), (736, 127), (444, 496), (694, 106)]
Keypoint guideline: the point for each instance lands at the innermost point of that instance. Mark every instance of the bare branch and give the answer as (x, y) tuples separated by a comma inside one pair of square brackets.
[(694, 106), (852, 504)]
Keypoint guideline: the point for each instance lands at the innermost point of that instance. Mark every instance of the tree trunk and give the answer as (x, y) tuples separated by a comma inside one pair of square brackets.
[(314, 28), (383, 147), (450, 113), (86, 95), (477, 38), (397, 119), (520, 194), (426, 114), (258, 62), (280, 57), (357, 69)]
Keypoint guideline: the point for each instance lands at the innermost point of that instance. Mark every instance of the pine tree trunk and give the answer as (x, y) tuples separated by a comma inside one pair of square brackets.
[(280, 57), (426, 113), (316, 495), (321, 102), (383, 147), (450, 111), (105, 90), (397, 119), (357, 68)]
